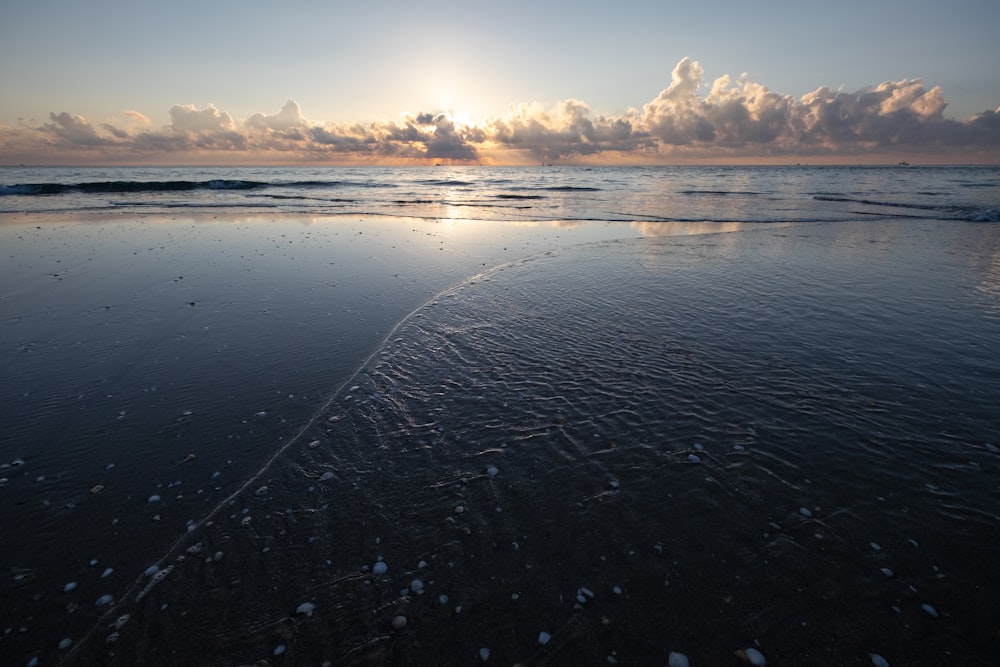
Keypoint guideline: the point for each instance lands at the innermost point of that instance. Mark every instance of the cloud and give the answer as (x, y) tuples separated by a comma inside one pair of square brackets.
[(446, 141), (288, 118), (187, 118), (116, 132), (137, 117), (691, 119), (205, 129), (564, 131), (74, 130)]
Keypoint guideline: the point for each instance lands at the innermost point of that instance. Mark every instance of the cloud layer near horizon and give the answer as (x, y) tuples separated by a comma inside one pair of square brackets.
[(734, 120)]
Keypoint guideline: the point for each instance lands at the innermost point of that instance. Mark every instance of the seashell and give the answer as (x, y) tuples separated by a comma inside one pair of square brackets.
[(677, 660)]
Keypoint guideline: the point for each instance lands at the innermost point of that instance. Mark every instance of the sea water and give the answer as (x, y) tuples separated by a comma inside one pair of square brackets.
[(717, 412), (630, 194)]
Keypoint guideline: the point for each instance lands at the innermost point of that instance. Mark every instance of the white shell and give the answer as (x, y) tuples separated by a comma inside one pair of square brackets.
[(678, 660)]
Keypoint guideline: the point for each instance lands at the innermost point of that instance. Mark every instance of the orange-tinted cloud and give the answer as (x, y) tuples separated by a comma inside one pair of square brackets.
[(690, 119)]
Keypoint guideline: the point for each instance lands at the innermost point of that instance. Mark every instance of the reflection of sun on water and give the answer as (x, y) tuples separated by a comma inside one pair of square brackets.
[(686, 228)]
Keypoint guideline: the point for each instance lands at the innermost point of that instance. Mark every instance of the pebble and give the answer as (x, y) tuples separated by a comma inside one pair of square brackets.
[(65, 644), (804, 511), (877, 660), (71, 586), (417, 586), (327, 476), (153, 499), (151, 570), (103, 600), (484, 654), (931, 611), (693, 458), (544, 638), (380, 568), (107, 572), (262, 491), (279, 649), (306, 608), (492, 471), (678, 660), (399, 622), (755, 657), (887, 571), (875, 546)]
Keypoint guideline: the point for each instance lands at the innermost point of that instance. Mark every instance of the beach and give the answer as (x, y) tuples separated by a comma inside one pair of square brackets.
[(280, 438)]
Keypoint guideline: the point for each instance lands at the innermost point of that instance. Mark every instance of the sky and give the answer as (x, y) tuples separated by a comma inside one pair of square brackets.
[(514, 82)]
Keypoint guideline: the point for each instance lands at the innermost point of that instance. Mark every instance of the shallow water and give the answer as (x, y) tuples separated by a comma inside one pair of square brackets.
[(170, 357), (739, 431)]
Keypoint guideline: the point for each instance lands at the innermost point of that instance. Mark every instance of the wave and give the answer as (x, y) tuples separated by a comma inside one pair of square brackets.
[(449, 183), (953, 212), (720, 193), (124, 187), (987, 215), (873, 202)]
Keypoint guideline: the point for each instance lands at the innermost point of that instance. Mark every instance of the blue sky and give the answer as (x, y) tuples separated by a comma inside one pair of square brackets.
[(390, 61)]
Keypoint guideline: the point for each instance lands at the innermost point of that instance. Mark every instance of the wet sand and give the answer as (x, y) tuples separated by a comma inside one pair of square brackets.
[(170, 356), (610, 421)]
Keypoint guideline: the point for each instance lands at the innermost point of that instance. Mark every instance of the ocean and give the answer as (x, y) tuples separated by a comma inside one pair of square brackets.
[(630, 194), (543, 415)]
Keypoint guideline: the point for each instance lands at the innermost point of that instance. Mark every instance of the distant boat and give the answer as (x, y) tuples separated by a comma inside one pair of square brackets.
[(904, 163)]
